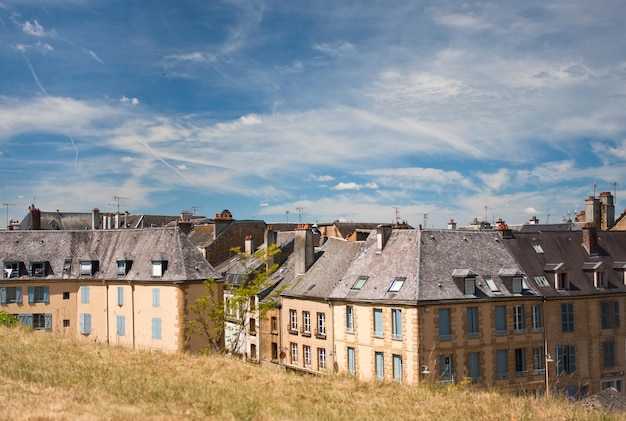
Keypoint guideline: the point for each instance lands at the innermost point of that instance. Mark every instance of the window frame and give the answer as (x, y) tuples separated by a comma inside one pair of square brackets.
[(472, 322), (378, 323), (519, 319), (567, 317), (445, 324), (396, 324)]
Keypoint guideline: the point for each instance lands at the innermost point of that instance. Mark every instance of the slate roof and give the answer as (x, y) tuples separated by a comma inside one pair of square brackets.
[(446, 253), (201, 235), (331, 261), (60, 221), (140, 246), (345, 229), (564, 250), (397, 259)]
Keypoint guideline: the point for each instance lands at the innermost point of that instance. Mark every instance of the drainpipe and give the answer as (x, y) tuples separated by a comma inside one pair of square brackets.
[(106, 284), (132, 301)]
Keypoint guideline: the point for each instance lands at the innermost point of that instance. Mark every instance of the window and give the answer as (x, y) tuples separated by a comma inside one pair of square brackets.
[(446, 369), (360, 282), (539, 360), (274, 324), (67, 266), (565, 359), (11, 269), (567, 317), (38, 269), (84, 294), (608, 354), (537, 324), (492, 285), (293, 320), (321, 358), (396, 323), (562, 280), (445, 328), (396, 284), (66, 295), (470, 286), (306, 322), (397, 367), (66, 322), (378, 322), (122, 267), (351, 361), (274, 351), (609, 314), (86, 268), (38, 295), (252, 326), (120, 296), (321, 325), (473, 366), (500, 314), (253, 354), (538, 248), (11, 295), (158, 267), (85, 324), (379, 363), (517, 286), (541, 281), (294, 353), (156, 297), (121, 325), (42, 321), (502, 364), (519, 324), (349, 319), (307, 355), (156, 328), (600, 279), (472, 322), (617, 384), (520, 362)]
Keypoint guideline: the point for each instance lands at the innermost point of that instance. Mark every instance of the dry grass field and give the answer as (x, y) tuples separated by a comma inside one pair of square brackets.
[(43, 377)]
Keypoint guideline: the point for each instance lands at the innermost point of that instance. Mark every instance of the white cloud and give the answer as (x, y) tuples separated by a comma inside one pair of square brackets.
[(321, 178), (336, 49), (33, 28), (354, 186), (125, 100)]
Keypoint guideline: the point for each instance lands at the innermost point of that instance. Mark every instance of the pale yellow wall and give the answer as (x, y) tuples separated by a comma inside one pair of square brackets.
[(191, 292), (314, 342), (366, 345)]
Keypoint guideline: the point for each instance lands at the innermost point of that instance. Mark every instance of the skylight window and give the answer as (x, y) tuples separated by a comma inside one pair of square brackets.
[(360, 282), (492, 285), (541, 281), (538, 248), (396, 284)]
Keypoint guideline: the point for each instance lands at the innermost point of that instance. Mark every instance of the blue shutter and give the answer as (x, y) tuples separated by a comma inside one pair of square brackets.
[(572, 358), (351, 361), (46, 294), (85, 324), (121, 326), (397, 367), (500, 319), (378, 321), (444, 323), (616, 314), (21, 318), (84, 294), (156, 328), (397, 323), (18, 295), (502, 363), (380, 368), (473, 366), (31, 295), (156, 297), (48, 321), (559, 360), (120, 296), (28, 320), (3, 295)]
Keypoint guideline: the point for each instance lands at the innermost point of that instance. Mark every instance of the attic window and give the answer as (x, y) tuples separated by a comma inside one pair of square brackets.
[(561, 280), (123, 266), (158, 267), (470, 285), (517, 286), (87, 267), (38, 269), (538, 248), (541, 281), (600, 279), (397, 284), (491, 284), (67, 266), (360, 282), (11, 269)]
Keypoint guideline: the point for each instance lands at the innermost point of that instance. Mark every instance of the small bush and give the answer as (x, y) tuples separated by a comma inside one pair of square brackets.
[(7, 319)]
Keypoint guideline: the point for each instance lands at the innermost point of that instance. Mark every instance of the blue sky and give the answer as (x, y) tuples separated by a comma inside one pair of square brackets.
[(313, 110)]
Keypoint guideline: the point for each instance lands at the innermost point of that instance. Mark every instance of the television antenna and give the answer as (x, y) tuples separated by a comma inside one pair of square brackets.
[(299, 214), (6, 205), (397, 209), (194, 209), (118, 199)]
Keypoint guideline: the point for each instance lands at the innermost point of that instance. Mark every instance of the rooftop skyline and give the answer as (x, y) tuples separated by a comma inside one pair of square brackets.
[(360, 111)]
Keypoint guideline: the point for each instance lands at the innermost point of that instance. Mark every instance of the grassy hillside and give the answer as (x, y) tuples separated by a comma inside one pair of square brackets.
[(43, 377)]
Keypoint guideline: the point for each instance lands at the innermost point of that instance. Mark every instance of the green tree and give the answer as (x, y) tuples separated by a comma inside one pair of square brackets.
[(208, 320), (7, 319)]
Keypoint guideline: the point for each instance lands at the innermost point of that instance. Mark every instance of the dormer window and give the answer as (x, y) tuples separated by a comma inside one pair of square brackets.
[(360, 282), (38, 269), (470, 286), (87, 267), (621, 266), (600, 279), (158, 268), (122, 268), (465, 279), (67, 266), (11, 269), (561, 280), (517, 285)]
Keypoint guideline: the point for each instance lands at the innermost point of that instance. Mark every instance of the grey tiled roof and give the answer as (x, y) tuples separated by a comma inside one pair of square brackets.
[(332, 260), (140, 246)]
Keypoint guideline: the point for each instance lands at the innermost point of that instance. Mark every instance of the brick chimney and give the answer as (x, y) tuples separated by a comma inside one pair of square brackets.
[(590, 238), (95, 219), (35, 218), (452, 225), (503, 229), (592, 211), (534, 220), (304, 248), (271, 238), (248, 245), (607, 210), (221, 221), (383, 232)]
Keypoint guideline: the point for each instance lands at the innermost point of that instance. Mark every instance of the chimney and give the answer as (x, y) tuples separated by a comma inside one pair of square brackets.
[(503, 229), (452, 225), (271, 237), (590, 238), (607, 210), (592, 211), (185, 226), (303, 248), (95, 219), (249, 245), (221, 221), (35, 218), (534, 220), (383, 232)]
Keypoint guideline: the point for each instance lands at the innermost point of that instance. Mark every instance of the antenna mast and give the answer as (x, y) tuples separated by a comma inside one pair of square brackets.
[(299, 214), (397, 209), (118, 199), (7, 206)]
